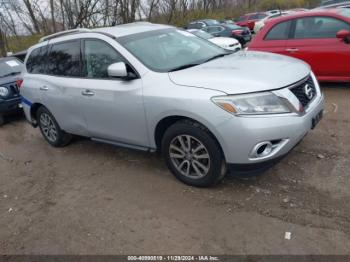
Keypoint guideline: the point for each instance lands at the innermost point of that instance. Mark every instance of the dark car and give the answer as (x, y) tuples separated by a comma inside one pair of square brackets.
[(20, 55), (242, 34), (10, 100), (199, 24)]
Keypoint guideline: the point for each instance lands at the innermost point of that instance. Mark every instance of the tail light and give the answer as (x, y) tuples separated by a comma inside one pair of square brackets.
[(237, 32), (19, 82)]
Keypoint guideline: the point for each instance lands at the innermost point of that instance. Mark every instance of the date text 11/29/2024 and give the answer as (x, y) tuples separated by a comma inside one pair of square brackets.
[(173, 258)]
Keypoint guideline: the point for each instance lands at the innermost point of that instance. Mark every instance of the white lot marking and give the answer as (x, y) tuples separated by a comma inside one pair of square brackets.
[(288, 235)]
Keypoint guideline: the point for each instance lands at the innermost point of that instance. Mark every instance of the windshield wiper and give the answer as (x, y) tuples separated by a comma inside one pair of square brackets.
[(182, 67), (216, 56), (11, 74)]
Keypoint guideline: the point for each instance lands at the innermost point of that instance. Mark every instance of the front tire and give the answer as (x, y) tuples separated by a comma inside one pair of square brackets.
[(192, 154), (50, 129)]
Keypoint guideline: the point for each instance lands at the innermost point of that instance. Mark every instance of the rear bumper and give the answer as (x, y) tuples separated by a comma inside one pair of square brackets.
[(10, 105)]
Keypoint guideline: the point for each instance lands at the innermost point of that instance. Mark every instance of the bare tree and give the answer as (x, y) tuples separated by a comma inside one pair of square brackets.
[(52, 8), (32, 16)]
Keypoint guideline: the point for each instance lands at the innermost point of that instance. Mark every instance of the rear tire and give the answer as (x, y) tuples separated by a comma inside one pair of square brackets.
[(50, 129), (192, 154)]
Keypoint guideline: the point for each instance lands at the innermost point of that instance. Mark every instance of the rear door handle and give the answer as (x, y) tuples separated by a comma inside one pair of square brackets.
[(292, 49), (44, 88), (87, 92)]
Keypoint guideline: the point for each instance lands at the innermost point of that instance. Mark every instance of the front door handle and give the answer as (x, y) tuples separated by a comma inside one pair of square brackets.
[(87, 92), (292, 50), (44, 88)]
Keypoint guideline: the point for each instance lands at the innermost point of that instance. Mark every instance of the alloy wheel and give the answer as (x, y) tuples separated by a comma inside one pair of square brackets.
[(189, 156), (48, 127)]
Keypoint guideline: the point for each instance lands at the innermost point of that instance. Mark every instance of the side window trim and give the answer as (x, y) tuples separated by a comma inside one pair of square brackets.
[(44, 64), (293, 26), (126, 61)]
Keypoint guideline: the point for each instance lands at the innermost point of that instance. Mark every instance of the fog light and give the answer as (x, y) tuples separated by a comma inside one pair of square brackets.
[(263, 149), (267, 148)]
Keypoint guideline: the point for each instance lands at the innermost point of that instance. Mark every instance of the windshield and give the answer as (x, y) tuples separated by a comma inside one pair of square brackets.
[(10, 67), (202, 34), (169, 49)]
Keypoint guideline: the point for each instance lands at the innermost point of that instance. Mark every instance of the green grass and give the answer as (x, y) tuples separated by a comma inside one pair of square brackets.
[(16, 44)]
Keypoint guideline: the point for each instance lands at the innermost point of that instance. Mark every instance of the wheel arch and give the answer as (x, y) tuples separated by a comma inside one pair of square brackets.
[(33, 112), (168, 121)]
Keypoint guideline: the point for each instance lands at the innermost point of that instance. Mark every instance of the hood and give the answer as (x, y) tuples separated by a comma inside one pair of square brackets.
[(223, 41), (244, 72)]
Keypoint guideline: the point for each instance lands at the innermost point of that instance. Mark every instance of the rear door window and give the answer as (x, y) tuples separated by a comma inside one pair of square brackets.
[(279, 31), (318, 27), (64, 59)]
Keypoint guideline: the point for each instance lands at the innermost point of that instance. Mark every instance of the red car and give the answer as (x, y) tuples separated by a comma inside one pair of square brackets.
[(249, 20), (320, 37)]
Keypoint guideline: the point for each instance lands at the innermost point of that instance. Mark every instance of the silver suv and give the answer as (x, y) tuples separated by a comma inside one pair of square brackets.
[(157, 88)]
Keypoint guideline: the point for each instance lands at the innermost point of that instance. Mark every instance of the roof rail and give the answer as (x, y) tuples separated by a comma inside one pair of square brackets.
[(63, 33)]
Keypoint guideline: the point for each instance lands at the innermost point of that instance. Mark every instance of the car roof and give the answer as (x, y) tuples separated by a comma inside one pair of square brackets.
[(131, 28), (319, 12)]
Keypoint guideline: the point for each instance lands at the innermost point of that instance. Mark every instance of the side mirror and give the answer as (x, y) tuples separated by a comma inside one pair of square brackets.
[(344, 35), (118, 70)]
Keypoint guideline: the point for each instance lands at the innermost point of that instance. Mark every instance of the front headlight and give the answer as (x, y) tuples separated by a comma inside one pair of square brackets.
[(4, 91), (252, 104)]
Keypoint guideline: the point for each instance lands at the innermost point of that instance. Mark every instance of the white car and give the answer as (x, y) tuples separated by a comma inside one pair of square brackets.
[(224, 42), (157, 88), (261, 23)]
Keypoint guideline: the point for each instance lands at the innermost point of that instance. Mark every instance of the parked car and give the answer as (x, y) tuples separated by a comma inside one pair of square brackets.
[(224, 42), (10, 101), (249, 20), (20, 55), (260, 24), (155, 87), (227, 21), (320, 37), (199, 24), (242, 34)]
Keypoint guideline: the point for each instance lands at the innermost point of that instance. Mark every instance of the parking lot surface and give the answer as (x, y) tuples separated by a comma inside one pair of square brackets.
[(91, 198)]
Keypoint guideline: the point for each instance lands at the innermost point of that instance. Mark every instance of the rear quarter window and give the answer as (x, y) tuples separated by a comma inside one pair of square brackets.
[(36, 61)]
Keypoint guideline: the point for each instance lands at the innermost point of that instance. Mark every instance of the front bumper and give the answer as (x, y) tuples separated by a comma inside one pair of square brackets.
[(242, 134), (10, 105)]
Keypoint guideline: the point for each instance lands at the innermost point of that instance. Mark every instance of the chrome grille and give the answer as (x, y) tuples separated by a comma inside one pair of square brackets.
[(302, 94)]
